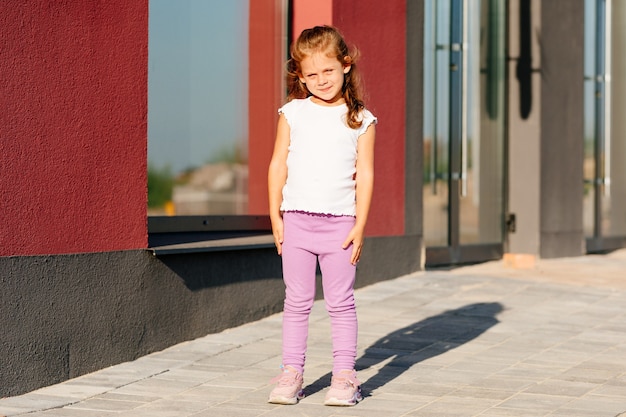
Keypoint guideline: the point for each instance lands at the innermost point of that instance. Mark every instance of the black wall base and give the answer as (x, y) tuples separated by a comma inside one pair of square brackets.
[(67, 315)]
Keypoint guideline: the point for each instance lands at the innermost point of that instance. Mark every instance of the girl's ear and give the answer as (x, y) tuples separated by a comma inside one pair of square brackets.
[(347, 64)]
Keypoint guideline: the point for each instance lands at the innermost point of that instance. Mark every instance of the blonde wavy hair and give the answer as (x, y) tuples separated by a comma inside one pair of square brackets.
[(326, 39)]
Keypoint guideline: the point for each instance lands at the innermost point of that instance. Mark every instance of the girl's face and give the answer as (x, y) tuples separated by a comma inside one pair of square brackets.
[(323, 77)]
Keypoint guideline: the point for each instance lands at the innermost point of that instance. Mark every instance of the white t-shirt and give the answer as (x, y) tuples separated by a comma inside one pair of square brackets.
[(321, 163)]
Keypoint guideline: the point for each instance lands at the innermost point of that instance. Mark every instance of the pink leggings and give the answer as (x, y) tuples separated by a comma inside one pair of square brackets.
[(307, 239)]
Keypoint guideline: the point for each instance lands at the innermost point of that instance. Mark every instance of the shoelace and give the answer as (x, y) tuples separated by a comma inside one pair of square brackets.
[(344, 381), (286, 378)]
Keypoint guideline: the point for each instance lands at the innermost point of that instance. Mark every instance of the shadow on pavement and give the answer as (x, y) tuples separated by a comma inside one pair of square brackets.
[(418, 342)]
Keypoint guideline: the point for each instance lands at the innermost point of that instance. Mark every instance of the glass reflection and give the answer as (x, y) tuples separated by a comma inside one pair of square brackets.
[(197, 107), (480, 210), (604, 204)]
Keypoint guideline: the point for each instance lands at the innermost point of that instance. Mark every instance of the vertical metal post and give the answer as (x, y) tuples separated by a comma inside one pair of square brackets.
[(464, 52), (457, 118), (434, 140), (607, 99)]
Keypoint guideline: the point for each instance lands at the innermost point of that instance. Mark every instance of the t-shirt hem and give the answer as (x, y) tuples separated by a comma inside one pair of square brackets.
[(321, 214)]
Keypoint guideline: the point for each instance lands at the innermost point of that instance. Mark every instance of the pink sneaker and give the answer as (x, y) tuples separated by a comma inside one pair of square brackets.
[(289, 387), (345, 389)]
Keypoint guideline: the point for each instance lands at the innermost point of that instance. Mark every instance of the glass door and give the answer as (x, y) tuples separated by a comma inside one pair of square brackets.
[(604, 211), (464, 126)]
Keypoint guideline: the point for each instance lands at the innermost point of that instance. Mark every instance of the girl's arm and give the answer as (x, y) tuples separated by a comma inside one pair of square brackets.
[(276, 178), (364, 190)]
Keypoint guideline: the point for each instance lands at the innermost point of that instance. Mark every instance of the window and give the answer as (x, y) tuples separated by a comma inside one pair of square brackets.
[(605, 140), (198, 107)]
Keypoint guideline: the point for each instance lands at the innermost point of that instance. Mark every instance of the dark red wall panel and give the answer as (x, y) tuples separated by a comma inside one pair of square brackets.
[(267, 56), (73, 132), (378, 29)]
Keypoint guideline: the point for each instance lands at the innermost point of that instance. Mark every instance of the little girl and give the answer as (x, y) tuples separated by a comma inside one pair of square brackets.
[(320, 187)]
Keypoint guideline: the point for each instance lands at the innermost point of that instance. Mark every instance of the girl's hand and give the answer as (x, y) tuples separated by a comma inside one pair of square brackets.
[(364, 190), (355, 237), (277, 231)]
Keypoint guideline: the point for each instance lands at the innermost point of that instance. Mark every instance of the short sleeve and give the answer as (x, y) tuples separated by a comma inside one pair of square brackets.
[(368, 119), (288, 111)]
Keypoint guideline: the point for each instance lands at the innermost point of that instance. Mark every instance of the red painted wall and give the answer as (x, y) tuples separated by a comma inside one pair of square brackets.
[(267, 54), (378, 29), (309, 13), (73, 133)]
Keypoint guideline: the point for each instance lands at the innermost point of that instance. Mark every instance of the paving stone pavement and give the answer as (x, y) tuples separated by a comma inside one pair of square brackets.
[(483, 340)]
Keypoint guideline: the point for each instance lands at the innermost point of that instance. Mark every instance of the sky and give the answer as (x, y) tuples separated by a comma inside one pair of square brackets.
[(197, 81)]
